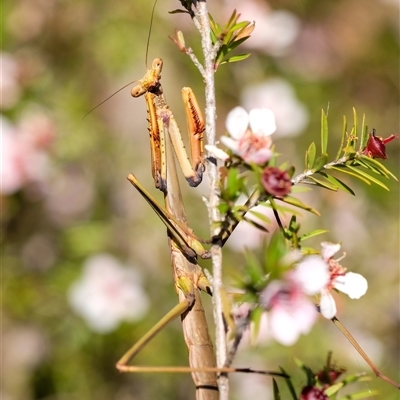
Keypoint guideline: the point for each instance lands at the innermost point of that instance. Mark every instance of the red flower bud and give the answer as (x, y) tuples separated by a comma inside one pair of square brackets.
[(276, 182), (376, 145), (313, 393)]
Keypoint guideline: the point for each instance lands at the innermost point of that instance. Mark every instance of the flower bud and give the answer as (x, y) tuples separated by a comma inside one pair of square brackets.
[(276, 182), (376, 145)]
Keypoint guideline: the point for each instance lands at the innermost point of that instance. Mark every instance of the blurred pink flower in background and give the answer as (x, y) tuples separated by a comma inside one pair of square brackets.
[(24, 151), (278, 95), (290, 312), (107, 294), (10, 86), (275, 30)]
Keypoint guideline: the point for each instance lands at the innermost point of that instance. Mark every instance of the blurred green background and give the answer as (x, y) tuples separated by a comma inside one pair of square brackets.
[(66, 203)]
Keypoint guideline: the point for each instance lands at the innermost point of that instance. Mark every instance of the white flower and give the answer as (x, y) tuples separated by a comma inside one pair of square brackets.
[(291, 313), (350, 283), (250, 134), (107, 294), (312, 273)]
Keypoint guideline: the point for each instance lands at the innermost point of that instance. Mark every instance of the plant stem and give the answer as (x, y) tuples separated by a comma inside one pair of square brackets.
[(202, 23)]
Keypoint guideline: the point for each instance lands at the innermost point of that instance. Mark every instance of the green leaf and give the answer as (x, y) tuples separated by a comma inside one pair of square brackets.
[(364, 134), (343, 168), (338, 183), (355, 123), (256, 315), (362, 395), (344, 131), (297, 203), (289, 384), (377, 165), (307, 371), (326, 185), (280, 208), (235, 58), (277, 395), (312, 234), (369, 177), (253, 267), (321, 162), (260, 216), (310, 156), (255, 224), (324, 132)]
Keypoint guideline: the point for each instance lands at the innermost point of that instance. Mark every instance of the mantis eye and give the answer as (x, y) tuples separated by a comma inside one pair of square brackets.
[(137, 91), (157, 65)]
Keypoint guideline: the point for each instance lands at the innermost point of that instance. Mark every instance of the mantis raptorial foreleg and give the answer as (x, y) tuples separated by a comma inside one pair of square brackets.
[(161, 120)]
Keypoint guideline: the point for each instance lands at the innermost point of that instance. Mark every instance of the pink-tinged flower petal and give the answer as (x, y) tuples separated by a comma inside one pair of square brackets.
[(231, 144), (216, 152), (312, 274), (289, 321), (352, 284), (327, 304), (329, 250), (237, 122), (262, 121), (258, 157)]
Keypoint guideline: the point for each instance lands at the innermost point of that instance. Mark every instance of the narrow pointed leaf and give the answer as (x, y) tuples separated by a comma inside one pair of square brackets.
[(369, 177), (340, 185), (355, 123), (235, 58), (348, 172), (297, 203), (289, 384), (277, 395), (312, 234), (256, 224), (310, 156), (324, 132), (379, 166), (320, 162), (326, 185), (260, 216), (344, 131), (364, 134)]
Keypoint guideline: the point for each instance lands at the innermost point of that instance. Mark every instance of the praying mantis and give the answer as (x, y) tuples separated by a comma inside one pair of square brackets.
[(188, 275)]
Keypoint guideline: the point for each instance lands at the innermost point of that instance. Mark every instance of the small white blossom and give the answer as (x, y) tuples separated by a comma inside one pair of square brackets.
[(312, 273), (108, 293), (249, 134), (350, 283), (291, 313)]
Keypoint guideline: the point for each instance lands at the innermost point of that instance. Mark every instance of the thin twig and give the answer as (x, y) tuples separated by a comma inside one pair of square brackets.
[(202, 23)]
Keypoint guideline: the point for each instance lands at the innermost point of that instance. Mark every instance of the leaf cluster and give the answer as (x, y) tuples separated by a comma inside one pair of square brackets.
[(228, 37), (350, 159)]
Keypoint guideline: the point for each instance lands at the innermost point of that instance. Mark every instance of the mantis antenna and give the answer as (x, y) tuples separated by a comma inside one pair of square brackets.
[(130, 83)]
